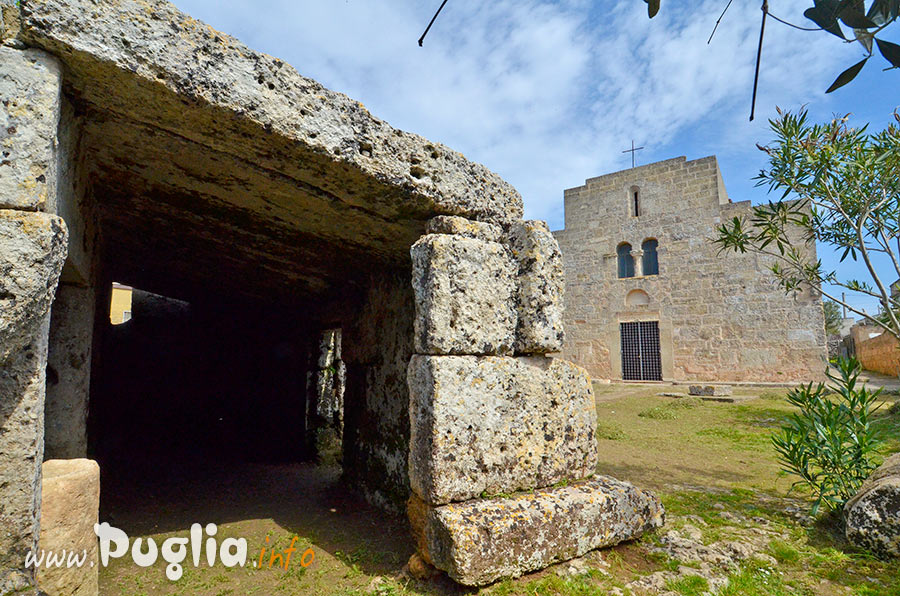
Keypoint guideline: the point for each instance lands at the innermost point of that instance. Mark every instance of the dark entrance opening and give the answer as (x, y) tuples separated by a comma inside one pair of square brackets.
[(640, 351)]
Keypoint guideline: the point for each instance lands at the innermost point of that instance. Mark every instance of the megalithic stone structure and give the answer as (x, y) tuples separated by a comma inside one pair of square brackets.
[(502, 445)]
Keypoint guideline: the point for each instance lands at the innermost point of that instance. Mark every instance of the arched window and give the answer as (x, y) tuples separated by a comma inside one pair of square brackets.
[(650, 261), (635, 196), (625, 260)]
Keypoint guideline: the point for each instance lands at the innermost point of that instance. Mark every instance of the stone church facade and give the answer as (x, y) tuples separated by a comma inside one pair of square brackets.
[(650, 297)]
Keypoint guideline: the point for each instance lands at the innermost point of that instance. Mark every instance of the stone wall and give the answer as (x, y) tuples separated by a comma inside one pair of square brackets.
[(722, 317), (880, 354), (376, 347), (495, 423), (32, 251)]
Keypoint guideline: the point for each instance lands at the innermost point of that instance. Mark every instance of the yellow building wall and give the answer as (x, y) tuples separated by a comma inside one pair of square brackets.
[(120, 304)]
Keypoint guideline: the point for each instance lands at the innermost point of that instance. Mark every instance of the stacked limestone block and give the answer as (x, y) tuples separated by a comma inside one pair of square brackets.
[(502, 446), (32, 252)]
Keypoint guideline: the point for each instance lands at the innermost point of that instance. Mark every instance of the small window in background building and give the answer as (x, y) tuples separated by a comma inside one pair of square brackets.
[(635, 201), (625, 260), (650, 260)]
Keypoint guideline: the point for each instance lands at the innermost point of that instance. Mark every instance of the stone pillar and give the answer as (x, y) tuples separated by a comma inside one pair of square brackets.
[(69, 372), (32, 251), (638, 257), (70, 506), (502, 447)]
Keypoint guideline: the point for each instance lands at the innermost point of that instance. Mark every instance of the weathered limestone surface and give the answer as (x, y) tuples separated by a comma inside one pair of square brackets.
[(873, 515), (69, 372), (540, 287), (497, 425), (376, 348), (70, 505), (709, 390), (189, 126), (21, 453), (482, 540), (29, 114), (464, 292), (32, 252), (460, 226)]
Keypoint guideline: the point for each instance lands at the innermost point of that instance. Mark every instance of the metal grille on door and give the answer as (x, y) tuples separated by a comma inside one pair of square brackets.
[(640, 351)]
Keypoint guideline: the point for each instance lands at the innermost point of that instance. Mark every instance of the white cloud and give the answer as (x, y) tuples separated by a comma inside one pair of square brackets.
[(545, 93)]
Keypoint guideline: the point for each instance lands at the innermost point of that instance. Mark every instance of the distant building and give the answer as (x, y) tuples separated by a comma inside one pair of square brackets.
[(650, 297)]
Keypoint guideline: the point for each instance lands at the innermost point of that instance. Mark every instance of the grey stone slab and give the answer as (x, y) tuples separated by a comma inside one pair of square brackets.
[(29, 116), (483, 540), (464, 290), (540, 288), (32, 252), (157, 64), (873, 515), (497, 425), (460, 226)]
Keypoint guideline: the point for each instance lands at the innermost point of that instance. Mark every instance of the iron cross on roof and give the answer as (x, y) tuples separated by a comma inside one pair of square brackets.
[(632, 151)]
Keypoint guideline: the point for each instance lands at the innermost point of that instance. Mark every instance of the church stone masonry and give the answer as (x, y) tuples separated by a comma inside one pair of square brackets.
[(142, 146), (650, 297)]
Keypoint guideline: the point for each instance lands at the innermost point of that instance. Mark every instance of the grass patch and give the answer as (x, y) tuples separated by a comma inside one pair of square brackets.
[(689, 585), (783, 552), (772, 395), (669, 410), (740, 439), (610, 431), (754, 579)]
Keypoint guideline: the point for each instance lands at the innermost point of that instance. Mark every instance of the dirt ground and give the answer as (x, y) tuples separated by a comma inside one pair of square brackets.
[(731, 527)]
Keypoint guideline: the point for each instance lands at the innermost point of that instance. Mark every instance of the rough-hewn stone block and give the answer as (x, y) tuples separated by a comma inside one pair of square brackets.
[(480, 541), (873, 515), (709, 390), (32, 252), (21, 452), (153, 62), (540, 287), (464, 291), (29, 116), (70, 502), (460, 226), (69, 372), (497, 424)]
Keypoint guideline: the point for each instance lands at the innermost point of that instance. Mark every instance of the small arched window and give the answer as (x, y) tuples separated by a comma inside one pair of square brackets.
[(635, 197), (650, 260), (625, 260), (637, 298)]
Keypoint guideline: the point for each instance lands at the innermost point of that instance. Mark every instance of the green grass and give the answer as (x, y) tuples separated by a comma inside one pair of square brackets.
[(689, 585), (670, 410), (610, 431)]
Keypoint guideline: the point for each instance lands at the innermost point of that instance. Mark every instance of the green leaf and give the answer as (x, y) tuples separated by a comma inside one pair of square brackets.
[(652, 7), (847, 76), (890, 51), (852, 13), (823, 15)]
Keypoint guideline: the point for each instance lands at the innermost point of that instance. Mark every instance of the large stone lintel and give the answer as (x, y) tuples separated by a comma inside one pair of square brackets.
[(163, 68), (497, 425), (464, 290), (480, 541)]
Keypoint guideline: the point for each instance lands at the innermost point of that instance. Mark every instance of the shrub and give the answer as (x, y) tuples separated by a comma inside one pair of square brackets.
[(831, 444)]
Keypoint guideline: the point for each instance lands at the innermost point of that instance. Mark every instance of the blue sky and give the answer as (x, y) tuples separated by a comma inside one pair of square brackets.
[(547, 94)]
